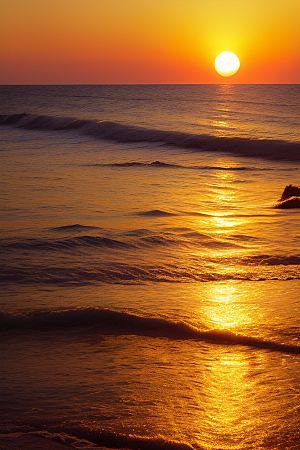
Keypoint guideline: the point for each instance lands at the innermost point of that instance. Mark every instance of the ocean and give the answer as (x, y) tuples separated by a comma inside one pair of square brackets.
[(149, 284)]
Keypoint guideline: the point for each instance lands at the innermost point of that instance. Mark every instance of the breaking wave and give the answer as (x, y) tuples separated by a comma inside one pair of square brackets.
[(263, 148), (84, 437), (110, 321)]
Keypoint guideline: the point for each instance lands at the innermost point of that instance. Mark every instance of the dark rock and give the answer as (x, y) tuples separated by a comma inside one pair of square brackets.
[(290, 203), (290, 191), (290, 198)]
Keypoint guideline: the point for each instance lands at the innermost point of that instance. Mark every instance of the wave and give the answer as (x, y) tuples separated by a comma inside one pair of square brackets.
[(110, 321), (268, 260), (156, 213), (75, 227), (124, 274), (146, 239), (261, 148), (161, 213), (64, 244), (84, 437), (60, 268), (137, 239), (118, 440), (138, 164), (161, 164), (111, 273)]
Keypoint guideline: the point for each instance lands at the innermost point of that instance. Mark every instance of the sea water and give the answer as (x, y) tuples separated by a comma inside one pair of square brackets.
[(149, 285)]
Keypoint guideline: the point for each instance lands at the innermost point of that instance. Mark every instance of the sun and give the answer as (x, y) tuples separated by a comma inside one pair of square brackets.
[(227, 64)]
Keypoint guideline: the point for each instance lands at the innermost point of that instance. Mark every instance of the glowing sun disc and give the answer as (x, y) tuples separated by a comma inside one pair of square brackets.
[(227, 64)]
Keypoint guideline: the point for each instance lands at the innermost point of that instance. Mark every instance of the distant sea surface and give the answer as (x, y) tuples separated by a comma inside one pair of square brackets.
[(149, 286)]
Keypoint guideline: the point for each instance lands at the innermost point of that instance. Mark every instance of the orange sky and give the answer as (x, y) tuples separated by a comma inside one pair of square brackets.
[(147, 41)]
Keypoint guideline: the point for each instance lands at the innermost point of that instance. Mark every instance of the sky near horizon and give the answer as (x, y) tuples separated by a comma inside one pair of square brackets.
[(147, 41)]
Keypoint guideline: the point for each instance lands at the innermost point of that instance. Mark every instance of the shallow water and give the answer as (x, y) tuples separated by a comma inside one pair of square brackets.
[(149, 287)]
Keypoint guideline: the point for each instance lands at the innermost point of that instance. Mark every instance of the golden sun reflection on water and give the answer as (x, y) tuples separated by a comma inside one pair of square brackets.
[(223, 193), (228, 390), (230, 405), (221, 123), (224, 310), (227, 198), (222, 222), (232, 401)]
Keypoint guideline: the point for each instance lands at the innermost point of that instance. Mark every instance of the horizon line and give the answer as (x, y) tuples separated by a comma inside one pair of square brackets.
[(141, 84)]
